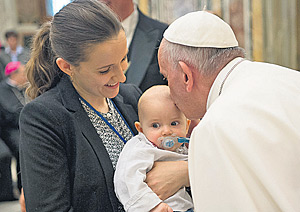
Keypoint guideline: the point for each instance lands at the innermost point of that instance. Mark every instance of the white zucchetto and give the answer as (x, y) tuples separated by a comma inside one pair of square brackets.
[(201, 29)]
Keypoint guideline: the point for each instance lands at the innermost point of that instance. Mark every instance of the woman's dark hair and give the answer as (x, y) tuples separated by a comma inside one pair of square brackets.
[(72, 31)]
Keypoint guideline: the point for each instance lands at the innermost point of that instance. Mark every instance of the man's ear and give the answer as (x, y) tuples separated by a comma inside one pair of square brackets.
[(188, 76), (138, 126), (64, 66)]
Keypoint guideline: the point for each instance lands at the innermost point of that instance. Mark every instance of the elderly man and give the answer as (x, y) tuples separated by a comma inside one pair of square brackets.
[(244, 154)]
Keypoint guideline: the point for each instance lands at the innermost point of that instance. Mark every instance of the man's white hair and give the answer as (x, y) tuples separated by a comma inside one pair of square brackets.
[(206, 60)]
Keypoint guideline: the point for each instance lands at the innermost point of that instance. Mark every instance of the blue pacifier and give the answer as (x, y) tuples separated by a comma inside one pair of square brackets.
[(170, 141)]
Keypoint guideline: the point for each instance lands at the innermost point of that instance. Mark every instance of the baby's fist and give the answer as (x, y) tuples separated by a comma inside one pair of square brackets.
[(162, 207)]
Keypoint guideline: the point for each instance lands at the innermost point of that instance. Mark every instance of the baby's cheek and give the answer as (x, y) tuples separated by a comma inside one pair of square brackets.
[(181, 132), (153, 137)]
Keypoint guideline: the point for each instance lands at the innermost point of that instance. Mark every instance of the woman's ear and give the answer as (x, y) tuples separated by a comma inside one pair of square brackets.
[(188, 76), (138, 126), (64, 66)]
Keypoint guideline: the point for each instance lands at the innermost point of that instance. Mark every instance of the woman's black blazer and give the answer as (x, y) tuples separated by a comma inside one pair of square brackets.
[(64, 164)]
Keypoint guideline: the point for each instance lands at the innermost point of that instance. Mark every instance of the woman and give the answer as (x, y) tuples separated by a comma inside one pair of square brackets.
[(81, 116)]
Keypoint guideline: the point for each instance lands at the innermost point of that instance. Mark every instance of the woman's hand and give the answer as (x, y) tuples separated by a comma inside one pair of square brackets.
[(167, 177)]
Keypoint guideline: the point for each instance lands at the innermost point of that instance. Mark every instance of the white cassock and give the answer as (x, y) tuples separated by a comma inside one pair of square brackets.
[(244, 155)]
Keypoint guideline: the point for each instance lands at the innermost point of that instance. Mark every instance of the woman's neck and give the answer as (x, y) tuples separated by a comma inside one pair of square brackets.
[(103, 108), (99, 104)]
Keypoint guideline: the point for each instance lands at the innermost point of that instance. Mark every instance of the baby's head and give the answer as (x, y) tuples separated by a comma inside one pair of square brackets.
[(159, 116)]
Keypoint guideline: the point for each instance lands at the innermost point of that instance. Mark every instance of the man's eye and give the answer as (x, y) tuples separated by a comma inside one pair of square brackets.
[(125, 58), (155, 125), (174, 123)]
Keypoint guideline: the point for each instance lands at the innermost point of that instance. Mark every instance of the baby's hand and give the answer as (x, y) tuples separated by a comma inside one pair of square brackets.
[(162, 207)]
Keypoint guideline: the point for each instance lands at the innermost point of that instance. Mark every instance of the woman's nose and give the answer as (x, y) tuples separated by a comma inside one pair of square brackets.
[(120, 72)]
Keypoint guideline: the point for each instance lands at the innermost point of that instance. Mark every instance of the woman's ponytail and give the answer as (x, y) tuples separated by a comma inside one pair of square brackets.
[(41, 68)]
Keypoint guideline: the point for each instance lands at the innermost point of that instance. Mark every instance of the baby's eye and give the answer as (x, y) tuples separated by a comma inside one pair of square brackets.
[(155, 125), (174, 123)]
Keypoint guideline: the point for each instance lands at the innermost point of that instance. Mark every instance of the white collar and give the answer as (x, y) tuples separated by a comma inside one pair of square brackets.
[(18, 51), (219, 81), (129, 24)]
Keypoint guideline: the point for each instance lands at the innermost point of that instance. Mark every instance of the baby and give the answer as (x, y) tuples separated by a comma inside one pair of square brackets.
[(160, 122)]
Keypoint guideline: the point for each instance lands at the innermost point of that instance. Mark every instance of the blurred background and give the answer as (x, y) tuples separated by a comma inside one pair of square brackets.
[(269, 30)]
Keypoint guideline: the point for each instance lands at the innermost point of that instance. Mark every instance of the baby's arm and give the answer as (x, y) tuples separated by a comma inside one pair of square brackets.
[(162, 207), (130, 174)]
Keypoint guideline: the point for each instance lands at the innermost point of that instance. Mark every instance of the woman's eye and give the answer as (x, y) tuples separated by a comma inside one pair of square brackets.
[(155, 125), (174, 123), (105, 71)]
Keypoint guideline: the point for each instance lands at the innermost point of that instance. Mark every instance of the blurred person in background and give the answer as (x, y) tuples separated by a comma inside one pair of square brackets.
[(12, 100), (6, 183), (13, 51), (1, 68), (143, 38), (1, 47)]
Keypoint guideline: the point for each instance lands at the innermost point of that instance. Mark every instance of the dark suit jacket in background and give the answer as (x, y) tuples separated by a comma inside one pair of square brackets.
[(64, 164), (144, 70), (6, 185), (11, 108), (9, 123)]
